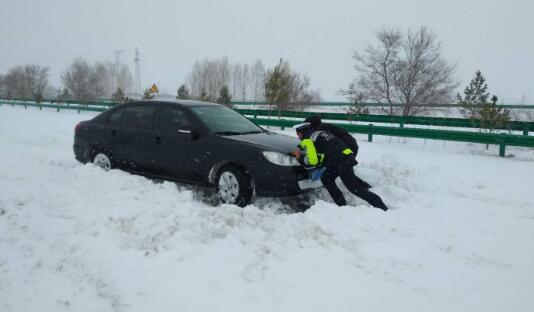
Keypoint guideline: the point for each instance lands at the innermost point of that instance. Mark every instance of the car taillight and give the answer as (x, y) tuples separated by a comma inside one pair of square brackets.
[(77, 128)]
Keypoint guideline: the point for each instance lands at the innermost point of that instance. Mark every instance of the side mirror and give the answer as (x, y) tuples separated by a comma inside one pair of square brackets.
[(193, 132)]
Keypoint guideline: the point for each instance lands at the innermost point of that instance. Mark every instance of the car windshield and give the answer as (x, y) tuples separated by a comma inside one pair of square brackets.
[(222, 120)]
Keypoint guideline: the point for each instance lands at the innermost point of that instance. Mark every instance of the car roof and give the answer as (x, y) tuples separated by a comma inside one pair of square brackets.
[(184, 103)]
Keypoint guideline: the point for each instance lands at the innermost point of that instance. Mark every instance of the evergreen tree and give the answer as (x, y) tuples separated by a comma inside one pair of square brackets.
[(224, 96), (278, 86), (182, 93), (475, 95), (492, 116), (147, 95), (118, 96), (204, 96), (475, 105)]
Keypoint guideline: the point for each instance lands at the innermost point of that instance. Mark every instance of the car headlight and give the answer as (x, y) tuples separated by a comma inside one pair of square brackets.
[(280, 159)]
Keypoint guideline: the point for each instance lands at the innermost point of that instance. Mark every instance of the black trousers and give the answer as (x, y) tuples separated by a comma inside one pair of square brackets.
[(358, 187)]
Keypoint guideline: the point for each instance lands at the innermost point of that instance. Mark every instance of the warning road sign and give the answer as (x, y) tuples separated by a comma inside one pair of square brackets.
[(154, 89)]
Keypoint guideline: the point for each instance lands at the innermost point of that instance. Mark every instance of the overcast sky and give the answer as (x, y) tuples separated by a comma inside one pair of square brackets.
[(317, 37)]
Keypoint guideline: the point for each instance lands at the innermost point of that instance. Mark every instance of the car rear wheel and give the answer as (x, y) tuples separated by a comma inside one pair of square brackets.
[(103, 160), (234, 186)]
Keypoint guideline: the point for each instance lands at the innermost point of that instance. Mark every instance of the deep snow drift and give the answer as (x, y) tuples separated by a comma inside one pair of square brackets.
[(459, 236)]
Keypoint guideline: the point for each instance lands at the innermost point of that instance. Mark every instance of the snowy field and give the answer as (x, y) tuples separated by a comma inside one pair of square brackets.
[(459, 235)]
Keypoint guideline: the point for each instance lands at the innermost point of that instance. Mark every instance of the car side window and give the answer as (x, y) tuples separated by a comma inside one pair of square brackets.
[(138, 117), (171, 119), (115, 117)]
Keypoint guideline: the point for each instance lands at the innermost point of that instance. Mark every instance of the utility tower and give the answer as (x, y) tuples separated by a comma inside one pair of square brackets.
[(137, 83)]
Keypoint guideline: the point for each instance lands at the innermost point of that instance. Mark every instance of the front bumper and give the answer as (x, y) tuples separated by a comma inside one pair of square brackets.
[(309, 184), (271, 180)]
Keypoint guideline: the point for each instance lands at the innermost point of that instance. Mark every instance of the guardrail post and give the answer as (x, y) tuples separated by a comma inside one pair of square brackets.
[(502, 146), (525, 129), (401, 125), (57, 108), (502, 149), (370, 134)]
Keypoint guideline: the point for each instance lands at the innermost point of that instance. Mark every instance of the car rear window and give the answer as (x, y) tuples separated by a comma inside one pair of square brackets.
[(139, 117), (115, 117)]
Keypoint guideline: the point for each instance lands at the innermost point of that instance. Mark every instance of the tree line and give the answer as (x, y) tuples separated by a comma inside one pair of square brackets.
[(80, 81), (218, 80), (405, 68)]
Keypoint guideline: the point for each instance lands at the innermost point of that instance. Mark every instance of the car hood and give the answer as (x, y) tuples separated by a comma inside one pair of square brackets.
[(270, 140)]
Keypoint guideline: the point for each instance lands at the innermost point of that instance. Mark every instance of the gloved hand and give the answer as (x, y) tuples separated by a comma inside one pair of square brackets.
[(317, 173)]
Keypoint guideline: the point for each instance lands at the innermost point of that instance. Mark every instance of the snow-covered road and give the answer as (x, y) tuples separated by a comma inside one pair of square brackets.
[(459, 236)]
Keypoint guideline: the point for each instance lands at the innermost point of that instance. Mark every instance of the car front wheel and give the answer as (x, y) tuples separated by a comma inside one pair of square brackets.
[(234, 186)]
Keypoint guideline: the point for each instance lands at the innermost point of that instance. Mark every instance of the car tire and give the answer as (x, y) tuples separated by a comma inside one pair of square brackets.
[(233, 186), (103, 159)]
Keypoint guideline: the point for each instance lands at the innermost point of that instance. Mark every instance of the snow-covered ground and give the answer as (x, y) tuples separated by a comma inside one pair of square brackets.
[(459, 236)]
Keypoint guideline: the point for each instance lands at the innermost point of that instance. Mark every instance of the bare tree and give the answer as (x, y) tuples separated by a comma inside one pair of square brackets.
[(377, 65), (29, 82), (300, 95), (88, 82), (77, 79), (3, 90), (237, 77), (85, 82), (123, 78), (208, 77), (407, 70), (358, 101), (244, 82), (100, 81), (257, 81)]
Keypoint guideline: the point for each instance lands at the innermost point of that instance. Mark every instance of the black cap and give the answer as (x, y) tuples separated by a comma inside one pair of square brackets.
[(314, 121)]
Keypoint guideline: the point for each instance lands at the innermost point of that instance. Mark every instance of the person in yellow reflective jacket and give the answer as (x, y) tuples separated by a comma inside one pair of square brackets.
[(323, 149)]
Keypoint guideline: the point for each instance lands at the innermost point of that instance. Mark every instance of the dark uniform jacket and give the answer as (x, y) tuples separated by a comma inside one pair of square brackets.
[(322, 148)]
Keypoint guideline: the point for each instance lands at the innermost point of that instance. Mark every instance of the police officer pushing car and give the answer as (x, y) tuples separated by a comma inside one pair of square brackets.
[(323, 149)]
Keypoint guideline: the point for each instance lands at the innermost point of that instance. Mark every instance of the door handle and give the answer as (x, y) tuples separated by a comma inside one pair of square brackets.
[(113, 133), (158, 140)]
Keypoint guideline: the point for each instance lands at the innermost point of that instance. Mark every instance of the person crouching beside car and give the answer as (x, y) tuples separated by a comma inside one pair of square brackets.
[(323, 149)]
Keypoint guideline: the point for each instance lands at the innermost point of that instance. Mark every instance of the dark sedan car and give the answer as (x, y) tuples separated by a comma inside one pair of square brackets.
[(193, 142)]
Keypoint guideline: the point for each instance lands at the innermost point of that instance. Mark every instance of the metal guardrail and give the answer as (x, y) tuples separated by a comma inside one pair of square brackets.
[(524, 126), (61, 102), (58, 107), (502, 140), (510, 106)]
